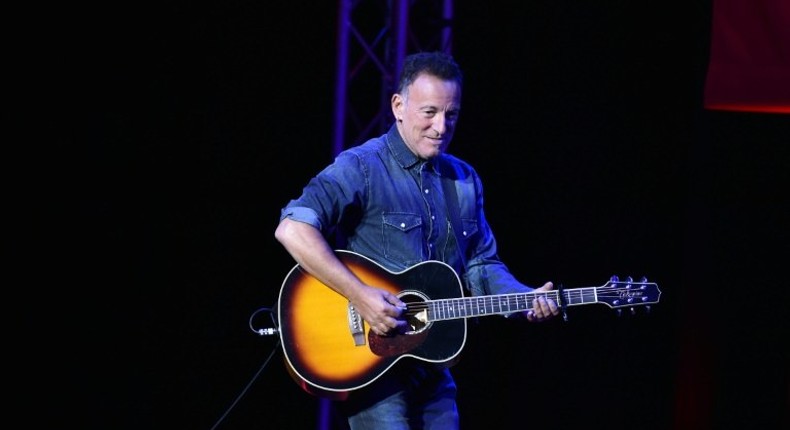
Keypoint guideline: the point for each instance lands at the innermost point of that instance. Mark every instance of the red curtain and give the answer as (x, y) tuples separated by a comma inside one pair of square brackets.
[(749, 68)]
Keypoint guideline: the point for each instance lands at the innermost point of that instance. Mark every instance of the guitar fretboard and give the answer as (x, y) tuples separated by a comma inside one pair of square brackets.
[(465, 307)]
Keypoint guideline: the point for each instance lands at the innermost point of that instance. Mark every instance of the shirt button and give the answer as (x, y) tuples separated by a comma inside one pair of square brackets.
[(403, 225), (427, 191), (464, 233), (433, 217)]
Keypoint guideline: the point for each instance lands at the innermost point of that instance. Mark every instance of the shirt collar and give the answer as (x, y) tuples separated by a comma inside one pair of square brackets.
[(402, 154)]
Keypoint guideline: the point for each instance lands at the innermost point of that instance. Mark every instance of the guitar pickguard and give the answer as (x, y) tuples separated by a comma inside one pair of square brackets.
[(401, 343), (397, 344)]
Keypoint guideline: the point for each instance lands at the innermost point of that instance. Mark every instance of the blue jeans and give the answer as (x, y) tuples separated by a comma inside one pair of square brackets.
[(409, 397)]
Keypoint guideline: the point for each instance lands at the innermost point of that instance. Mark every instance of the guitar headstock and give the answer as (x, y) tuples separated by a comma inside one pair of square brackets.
[(628, 293)]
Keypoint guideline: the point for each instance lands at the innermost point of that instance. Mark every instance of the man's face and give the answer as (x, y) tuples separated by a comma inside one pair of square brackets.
[(426, 115)]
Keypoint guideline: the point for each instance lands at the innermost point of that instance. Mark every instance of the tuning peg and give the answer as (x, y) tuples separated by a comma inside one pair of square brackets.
[(614, 278), (619, 313), (644, 279), (648, 308), (629, 280), (633, 311)]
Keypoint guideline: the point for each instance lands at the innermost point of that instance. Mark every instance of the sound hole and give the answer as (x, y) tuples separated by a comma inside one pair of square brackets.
[(416, 314)]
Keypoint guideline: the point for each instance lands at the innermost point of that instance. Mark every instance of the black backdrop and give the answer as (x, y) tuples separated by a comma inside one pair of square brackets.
[(186, 126)]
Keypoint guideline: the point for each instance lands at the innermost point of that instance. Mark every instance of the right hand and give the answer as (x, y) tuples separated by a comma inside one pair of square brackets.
[(381, 310)]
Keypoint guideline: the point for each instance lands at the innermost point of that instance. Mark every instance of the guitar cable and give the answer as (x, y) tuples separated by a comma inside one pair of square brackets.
[(269, 331)]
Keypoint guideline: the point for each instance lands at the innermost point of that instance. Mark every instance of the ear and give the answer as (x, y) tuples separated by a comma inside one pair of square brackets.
[(397, 103)]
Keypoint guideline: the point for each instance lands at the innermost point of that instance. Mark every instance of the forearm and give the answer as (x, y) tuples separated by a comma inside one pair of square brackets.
[(312, 252)]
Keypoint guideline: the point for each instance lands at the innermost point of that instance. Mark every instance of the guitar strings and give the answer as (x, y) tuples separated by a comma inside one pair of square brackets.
[(516, 299)]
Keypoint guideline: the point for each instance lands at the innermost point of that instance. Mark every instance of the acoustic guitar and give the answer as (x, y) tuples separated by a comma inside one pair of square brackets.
[(330, 351)]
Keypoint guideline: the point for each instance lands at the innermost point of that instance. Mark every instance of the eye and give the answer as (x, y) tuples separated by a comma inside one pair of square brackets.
[(429, 113)]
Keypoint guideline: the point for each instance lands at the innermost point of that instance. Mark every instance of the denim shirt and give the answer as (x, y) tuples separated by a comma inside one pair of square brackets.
[(385, 203)]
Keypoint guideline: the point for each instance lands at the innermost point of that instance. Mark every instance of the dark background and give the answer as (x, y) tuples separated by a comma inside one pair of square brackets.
[(184, 127)]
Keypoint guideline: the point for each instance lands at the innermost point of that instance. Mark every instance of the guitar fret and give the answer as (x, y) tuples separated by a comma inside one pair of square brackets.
[(580, 296), (484, 305), (465, 307)]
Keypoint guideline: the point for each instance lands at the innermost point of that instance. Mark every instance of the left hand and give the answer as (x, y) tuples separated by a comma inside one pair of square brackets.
[(542, 308)]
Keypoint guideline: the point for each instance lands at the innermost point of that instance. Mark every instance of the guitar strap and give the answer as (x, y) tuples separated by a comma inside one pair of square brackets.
[(451, 198)]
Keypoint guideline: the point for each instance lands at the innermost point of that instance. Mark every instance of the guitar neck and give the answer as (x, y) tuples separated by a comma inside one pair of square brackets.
[(612, 295), (467, 307)]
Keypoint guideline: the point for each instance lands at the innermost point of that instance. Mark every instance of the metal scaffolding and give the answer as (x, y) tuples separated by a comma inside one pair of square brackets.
[(373, 37)]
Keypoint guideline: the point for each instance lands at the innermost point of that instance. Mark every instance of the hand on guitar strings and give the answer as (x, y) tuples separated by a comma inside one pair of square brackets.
[(381, 310), (543, 308)]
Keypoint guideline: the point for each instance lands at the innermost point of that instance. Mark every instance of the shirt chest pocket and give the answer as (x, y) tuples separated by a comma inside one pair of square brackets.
[(469, 228), (402, 236)]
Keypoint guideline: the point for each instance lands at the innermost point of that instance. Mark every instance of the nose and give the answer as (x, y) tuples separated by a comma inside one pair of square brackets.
[(440, 124)]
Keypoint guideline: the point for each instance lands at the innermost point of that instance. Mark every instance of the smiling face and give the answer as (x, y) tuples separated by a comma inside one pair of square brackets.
[(426, 114)]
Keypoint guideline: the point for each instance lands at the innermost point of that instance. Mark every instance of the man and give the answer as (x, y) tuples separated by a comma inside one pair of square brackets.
[(389, 200)]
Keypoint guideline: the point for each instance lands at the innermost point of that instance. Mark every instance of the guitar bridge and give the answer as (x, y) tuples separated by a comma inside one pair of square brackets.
[(356, 326)]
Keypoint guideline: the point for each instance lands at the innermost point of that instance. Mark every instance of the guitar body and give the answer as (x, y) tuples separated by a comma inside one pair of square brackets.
[(330, 351)]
